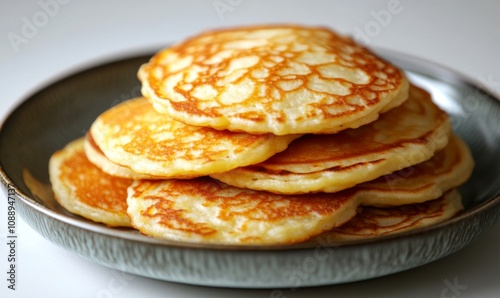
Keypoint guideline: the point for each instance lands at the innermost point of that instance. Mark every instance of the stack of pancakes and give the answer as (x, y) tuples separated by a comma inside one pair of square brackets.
[(267, 135)]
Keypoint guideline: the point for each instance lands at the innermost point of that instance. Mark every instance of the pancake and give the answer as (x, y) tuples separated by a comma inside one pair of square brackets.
[(274, 79), (448, 169), (208, 211), (134, 135), (405, 136), (371, 222), (83, 189), (97, 157), (204, 210)]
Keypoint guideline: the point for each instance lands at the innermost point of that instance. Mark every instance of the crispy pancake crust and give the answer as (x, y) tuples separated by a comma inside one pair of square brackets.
[(274, 79), (83, 189), (400, 138), (133, 135), (371, 222)]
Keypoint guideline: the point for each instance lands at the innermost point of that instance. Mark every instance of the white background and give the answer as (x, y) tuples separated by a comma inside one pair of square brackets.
[(66, 36)]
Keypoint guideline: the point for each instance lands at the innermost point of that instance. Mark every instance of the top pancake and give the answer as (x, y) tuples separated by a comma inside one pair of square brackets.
[(134, 135), (275, 79), (400, 138)]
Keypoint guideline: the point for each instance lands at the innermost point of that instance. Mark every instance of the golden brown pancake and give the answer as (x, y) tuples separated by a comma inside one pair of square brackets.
[(83, 189), (402, 137), (133, 135), (274, 79), (97, 157), (428, 180), (206, 211), (371, 222)]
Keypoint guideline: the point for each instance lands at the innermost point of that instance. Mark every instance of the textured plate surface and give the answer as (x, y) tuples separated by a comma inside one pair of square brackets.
[(63, 111)]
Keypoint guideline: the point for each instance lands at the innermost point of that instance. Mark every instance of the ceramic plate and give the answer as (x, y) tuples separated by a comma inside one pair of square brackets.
[(63, 111)]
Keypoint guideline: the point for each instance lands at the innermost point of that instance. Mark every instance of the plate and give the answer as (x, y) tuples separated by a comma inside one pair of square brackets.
[(64, 110)]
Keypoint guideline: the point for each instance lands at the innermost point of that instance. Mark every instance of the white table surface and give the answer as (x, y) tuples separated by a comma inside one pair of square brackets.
[(43, 40)]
